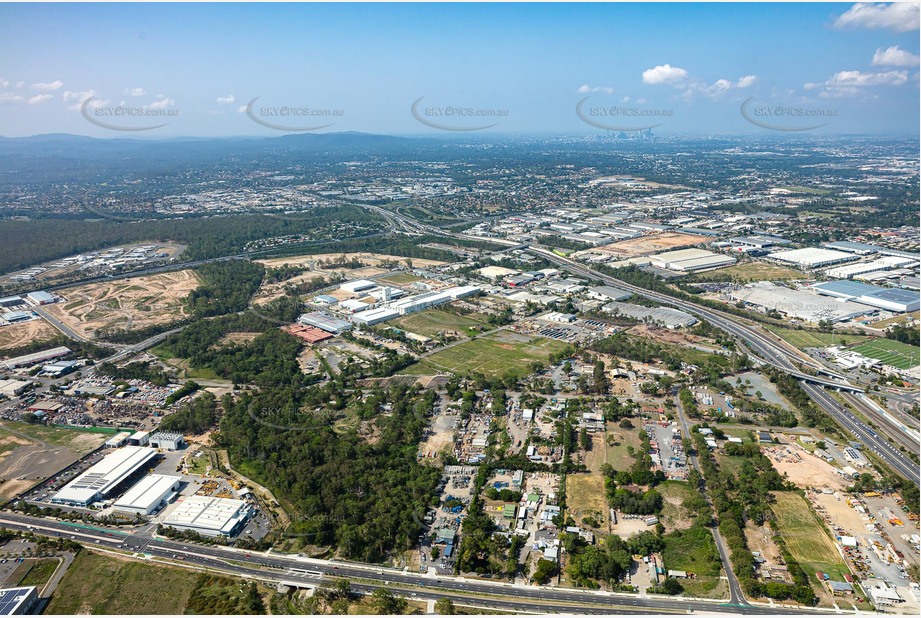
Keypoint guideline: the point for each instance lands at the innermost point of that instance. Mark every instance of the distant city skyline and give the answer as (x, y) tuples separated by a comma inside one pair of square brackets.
[(220, 70)]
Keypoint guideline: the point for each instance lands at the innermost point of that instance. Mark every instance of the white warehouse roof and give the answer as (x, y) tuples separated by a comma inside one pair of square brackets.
[(103, 477), (206, 515), (812, 257), (148, 493)]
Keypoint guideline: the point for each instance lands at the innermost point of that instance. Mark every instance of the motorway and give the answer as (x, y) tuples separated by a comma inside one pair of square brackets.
[(310, 572)]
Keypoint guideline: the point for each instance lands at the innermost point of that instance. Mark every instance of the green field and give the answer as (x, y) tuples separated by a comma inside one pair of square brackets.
[(399, 278), (675, 494), (694, 551), (894, 353), (897, 319), (97, 584), (806, 536), (810, 339), (429, 323), (74, 440), (750, 271), (40, 572), (494, 355)]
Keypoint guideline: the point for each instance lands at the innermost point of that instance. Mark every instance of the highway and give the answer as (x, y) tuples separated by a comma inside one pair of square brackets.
[(310, 572)]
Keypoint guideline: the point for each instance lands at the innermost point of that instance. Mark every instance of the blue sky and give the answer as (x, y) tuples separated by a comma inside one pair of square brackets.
[(522, 68)]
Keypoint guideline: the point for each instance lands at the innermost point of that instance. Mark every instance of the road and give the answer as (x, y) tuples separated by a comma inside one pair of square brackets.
[(309, 572)]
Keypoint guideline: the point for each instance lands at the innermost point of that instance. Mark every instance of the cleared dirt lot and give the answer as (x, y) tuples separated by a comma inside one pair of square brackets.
[(127, 304), (808, 472), (653, 243), (15, 335)]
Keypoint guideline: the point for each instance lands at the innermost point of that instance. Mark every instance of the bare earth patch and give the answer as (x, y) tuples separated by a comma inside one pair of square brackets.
[(16, 335)]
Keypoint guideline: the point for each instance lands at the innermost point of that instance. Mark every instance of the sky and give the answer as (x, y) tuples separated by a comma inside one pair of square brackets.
[(155, 71)]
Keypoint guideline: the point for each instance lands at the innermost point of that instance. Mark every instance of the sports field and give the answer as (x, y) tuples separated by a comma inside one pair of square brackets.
[(894, 353), (430, 323), (806, 536), (810, 339), (494, 355)]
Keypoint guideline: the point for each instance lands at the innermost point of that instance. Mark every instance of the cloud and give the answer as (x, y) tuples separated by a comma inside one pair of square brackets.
[(55, 85), (40, 98), (586, 89), (894, 57), (162, 103), (78, 97), (4, 83), (664, 74), (746, 81), (241, 109), (897, 16), (859, 79), (9, 97), (135, 92), (228, 100), (20, 84)]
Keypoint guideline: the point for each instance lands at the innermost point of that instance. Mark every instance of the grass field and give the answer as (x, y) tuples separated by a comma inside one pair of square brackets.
[(750, 271), (97, 584), (429, 323), (494, 355), (894, 353), (40, 572), (897, 319), (675, 494), (79, 442), (399, 278), (809, 339), (585, 497), (694, 551), (806, 536)]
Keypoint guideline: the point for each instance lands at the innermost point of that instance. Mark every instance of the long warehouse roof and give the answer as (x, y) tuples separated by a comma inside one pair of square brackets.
[(105, 475)]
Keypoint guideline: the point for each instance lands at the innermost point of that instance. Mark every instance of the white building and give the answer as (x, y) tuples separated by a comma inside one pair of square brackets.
[(358, 286), (169, 440), (209, 516), (148, 495), (102, 478), (812, 257)]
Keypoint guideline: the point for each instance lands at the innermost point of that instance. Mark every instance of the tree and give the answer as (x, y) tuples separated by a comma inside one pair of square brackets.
[(544, 570), (600, 378), (445, 607), (385, 602)]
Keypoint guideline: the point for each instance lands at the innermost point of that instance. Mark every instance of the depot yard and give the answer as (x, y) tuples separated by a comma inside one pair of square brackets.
[(893, 353), (128, 304), (494, 355), (434, 321)]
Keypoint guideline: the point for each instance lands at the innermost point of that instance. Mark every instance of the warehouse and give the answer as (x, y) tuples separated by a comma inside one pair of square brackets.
[(858, 248), (799, 304), (169, 440), (324, 322), (209, 516), (150, 494), (16, 316), (758, 242), (608, 292), (39, 298), (102, 479), (812, 257), (495, 273), (139, 438), (374, 316), (432, 299), (120, 439), (884, 263), (670, 318), (890, 299), (358, 286), (690, 260), (14, 388), (36, 357), (11, 301)]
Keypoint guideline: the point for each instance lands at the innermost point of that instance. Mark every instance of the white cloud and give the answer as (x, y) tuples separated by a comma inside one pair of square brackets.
[(9, 97), (4, 83), (228, 100), (78, 97), (162, 103), (586, 89), (40, 98), (746, 81), (860, 79), (55, 85), (20, 84), (895, 57), (897, 16), (135, 92), (241, 109), (664, 74)]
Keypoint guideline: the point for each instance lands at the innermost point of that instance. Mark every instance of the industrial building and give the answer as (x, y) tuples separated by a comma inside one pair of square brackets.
[(374, 316), (209, 516), (39, 298), (119, 439), (494, 273), (139, 438), (102, 478), (18, 601), (149, 494), (431, 299), (670, 318), (167, 440), (36, 357), (14, 388), (358, 286), (11, 301), (882, 264), (758, 242), (16, 316), (812, 257), (324, 322), (608, 292), (852, 247), (799, 304), (690, 260), (890, 299)]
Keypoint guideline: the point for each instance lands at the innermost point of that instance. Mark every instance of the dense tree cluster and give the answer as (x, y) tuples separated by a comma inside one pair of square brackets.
[(195, 417)]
